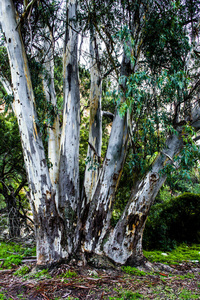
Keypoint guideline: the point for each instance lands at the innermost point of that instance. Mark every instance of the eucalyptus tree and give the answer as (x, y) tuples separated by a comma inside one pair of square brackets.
[(155, 102), (164, 105)]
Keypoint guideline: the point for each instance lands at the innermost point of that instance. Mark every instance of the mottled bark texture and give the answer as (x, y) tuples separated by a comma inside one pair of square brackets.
[(69, 156), (95, 126)]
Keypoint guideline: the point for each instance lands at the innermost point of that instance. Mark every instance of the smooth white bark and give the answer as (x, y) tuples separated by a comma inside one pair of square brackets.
[(69, 145), (95, 127), (6, 85), (53, 130)]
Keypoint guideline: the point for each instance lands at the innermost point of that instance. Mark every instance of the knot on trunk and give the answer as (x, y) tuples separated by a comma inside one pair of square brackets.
[(153, 178)]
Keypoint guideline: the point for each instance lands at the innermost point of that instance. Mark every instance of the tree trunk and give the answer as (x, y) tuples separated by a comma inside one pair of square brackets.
[(53, 130), (95, 127), (13, 216), (97, 215), (49, 227), (6, 85), (69, 156), (124, 245)]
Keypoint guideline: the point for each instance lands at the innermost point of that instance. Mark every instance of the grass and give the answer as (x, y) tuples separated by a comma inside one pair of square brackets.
[(176, 256), (68, 274), (41, 274), (13, 254), (12, 260), (127, 295), (134, 284), (133, 271), (185, 294), (6, 249), (22, 271), (2, 296)]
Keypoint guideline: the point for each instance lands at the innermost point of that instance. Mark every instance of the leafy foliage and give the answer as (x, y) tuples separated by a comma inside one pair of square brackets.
[(173, 222), (12, 260), (165, 41)]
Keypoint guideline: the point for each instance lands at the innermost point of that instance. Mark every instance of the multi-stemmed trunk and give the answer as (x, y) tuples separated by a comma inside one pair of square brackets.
[(65, 223)]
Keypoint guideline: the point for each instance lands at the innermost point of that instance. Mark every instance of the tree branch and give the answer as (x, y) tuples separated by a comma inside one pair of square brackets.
[(108, 115)]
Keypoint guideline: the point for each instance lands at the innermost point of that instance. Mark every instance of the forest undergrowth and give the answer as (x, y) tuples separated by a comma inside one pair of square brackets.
[(167, 275)]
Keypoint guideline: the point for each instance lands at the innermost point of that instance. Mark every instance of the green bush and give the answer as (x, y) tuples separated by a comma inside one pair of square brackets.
[(12, 260), (173, 222)]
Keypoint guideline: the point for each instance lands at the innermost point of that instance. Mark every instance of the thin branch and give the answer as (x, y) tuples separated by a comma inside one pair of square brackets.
[(108, 114), (196, 138), (197, 84), (25, 12), (20, 187), (92, 147)]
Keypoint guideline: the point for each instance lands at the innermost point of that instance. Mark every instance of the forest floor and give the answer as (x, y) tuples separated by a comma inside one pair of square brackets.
[(181, 281)]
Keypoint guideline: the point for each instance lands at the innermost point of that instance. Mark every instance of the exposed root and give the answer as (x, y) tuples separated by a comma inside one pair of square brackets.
[(100, 262), (147, 266)]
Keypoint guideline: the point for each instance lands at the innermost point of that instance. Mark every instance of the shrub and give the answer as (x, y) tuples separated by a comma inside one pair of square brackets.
[(173, 222)]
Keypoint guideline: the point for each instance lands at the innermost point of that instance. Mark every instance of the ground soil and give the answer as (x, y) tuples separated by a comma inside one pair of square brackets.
[(174, 282)]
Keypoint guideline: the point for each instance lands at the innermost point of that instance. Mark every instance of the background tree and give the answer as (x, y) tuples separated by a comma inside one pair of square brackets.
[(13, 176)]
